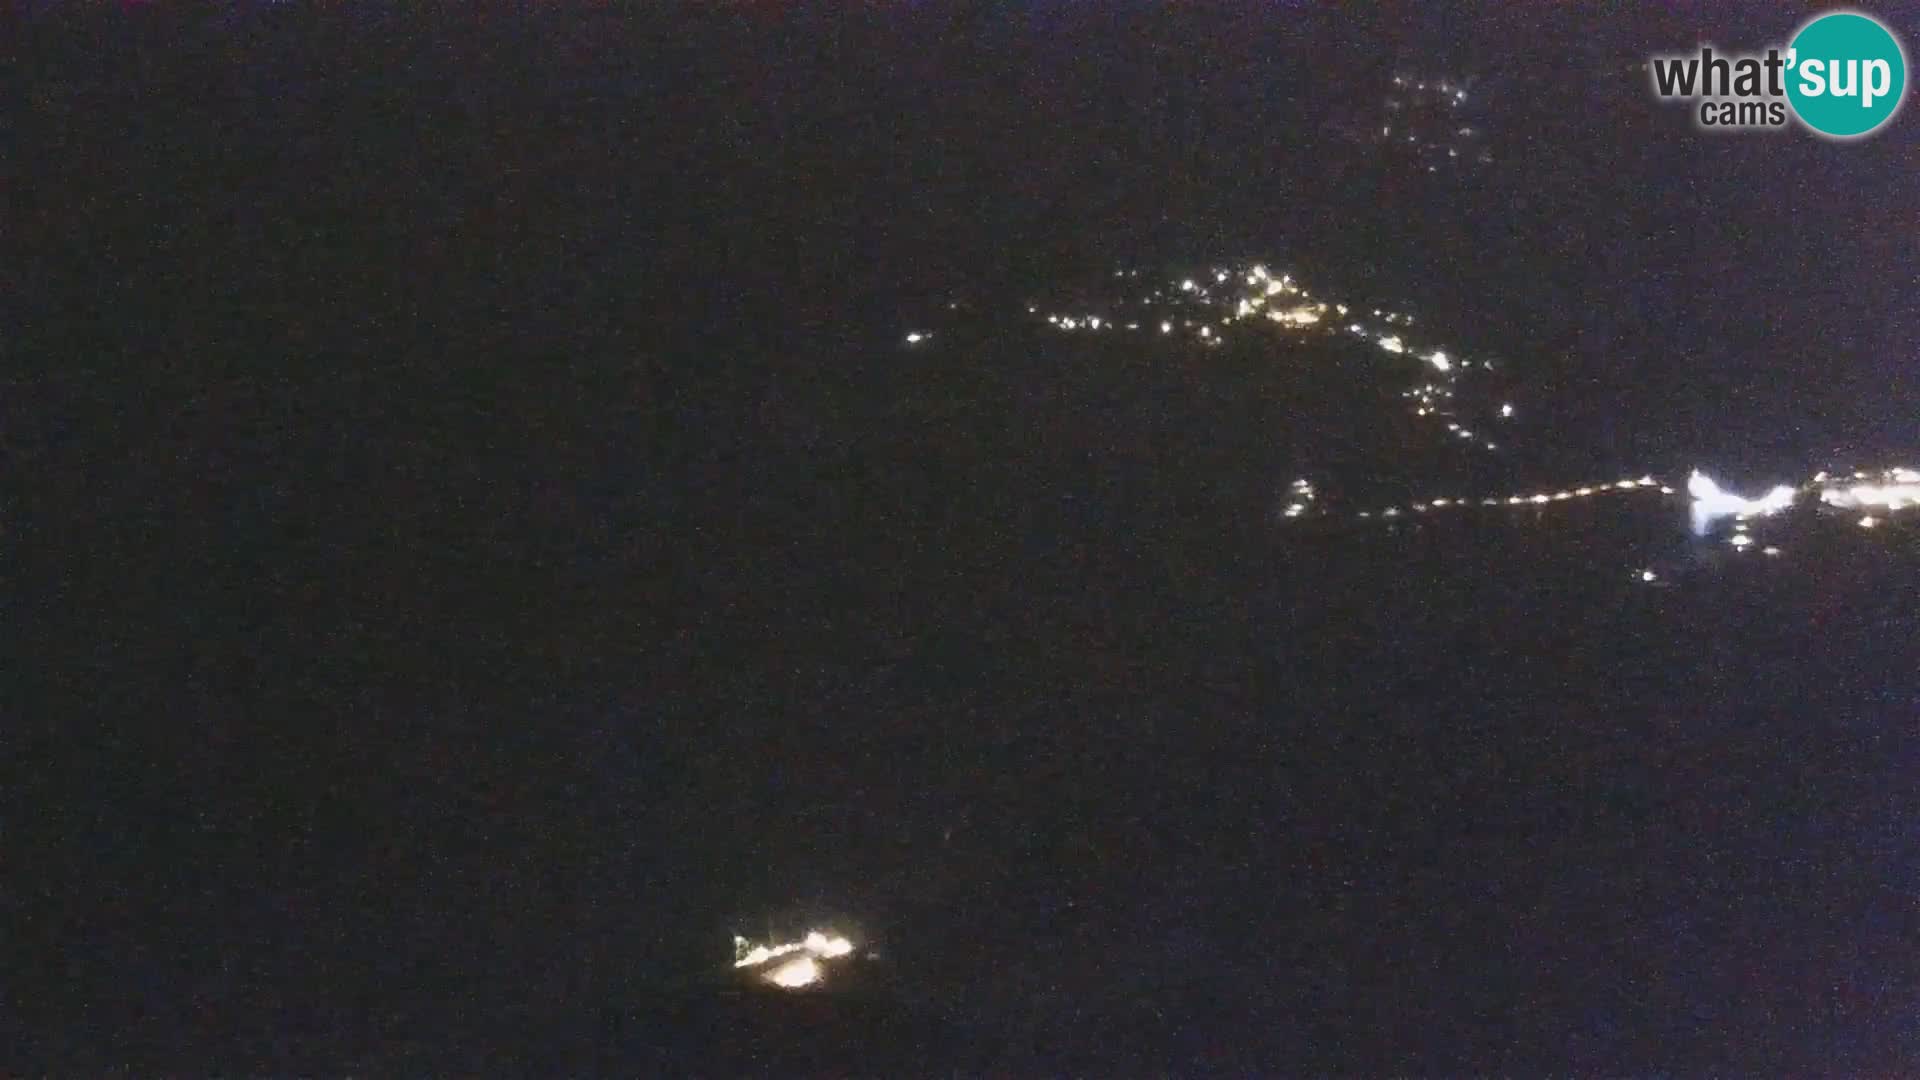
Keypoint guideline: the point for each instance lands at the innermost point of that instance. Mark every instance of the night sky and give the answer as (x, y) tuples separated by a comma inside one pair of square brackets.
[(479, 543)]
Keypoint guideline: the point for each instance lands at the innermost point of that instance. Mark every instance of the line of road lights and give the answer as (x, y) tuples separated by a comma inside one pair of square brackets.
[(1534, 499), (1891, 491)]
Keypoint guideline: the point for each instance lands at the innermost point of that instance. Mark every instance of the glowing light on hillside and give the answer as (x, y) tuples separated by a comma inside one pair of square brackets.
[(1303, 315), (821, 945), (799, 962), (1710, 503), (798, 972)]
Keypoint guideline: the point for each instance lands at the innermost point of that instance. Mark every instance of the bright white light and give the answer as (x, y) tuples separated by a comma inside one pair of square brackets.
[(821, 945), (1440, 361), (760, 954), (1741, 540), (801, 971), (1710, 503), (1206, 331), (1393, 344), (1869, 521), (1094, 322), (1506, 411), (1889, 496), (1188, 285), (1648, 575), (1770, 551), (1166, 328), (1300, 316), (815, 944), (916, 338)]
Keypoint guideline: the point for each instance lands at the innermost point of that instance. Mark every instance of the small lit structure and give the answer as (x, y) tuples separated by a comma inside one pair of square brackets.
[(1711, 504), (794, 964)]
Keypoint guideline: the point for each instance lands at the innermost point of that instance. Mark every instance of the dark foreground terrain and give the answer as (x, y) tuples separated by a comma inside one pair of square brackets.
[(1113, 770)]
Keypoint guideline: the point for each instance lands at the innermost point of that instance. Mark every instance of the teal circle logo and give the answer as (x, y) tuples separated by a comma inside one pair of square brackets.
[(1846, 75)]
